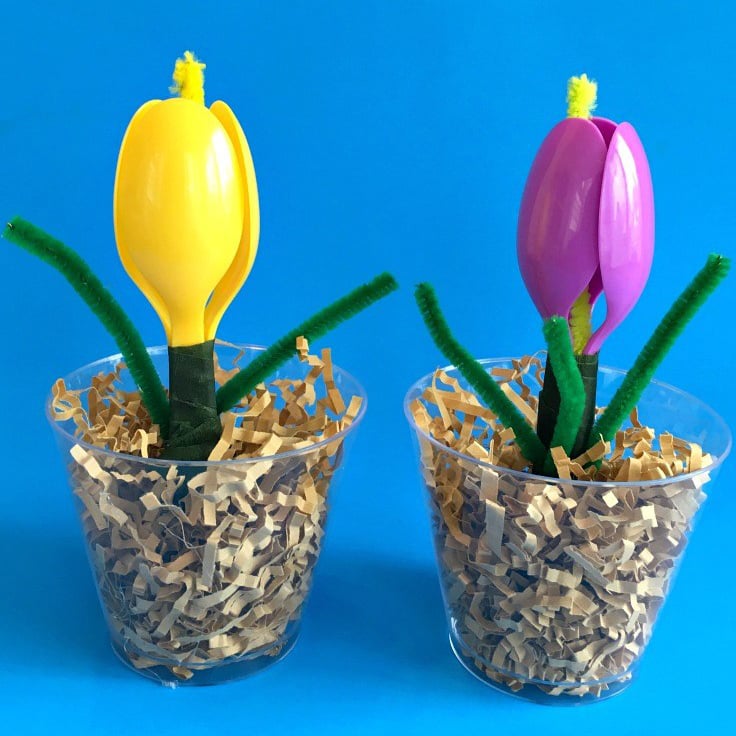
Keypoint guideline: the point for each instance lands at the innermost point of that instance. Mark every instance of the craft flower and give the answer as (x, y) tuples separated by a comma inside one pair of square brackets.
[(586, 223), (186, 207)]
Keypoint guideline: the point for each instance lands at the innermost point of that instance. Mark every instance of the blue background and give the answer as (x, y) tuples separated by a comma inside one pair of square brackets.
[(386, 135)]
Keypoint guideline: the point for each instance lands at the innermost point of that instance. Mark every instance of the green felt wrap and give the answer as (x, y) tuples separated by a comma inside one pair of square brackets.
[(561, 361), (549, 403), (193, 402)]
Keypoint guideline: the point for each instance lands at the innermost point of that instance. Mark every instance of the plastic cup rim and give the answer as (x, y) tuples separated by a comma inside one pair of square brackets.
[(164, 463), (718, 460)]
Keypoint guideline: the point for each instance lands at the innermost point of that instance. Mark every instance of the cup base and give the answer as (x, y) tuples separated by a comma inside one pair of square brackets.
[(228, 670), (534, 692)]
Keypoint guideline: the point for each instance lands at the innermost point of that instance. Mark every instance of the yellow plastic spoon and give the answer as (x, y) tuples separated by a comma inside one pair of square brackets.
[(186, 207)]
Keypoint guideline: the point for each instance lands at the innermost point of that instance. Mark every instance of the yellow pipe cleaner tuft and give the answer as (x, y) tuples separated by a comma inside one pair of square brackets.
[(581, 326), (581, 95), (189, 78)]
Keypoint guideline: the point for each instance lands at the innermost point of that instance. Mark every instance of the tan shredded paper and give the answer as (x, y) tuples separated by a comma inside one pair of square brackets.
[(200, 568), (554, 584)]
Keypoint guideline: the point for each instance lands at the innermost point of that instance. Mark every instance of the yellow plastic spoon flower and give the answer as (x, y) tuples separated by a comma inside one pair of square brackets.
[(186, 207)]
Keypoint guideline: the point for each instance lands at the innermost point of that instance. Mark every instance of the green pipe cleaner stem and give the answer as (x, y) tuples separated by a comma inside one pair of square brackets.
[(102, 303), (659, 344), (243, 382), (476, 375), (570, 383)]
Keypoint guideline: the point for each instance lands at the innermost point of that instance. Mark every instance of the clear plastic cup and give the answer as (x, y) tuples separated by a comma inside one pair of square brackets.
[(548, 618), (203, 568)]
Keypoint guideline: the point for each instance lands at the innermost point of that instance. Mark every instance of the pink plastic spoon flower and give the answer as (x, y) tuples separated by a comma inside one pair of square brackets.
[(586, 223)]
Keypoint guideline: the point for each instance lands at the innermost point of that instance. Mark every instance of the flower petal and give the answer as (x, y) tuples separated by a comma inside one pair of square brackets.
[(125, 257), (626, 229), (239, 269), (557, 237), (179, 208)]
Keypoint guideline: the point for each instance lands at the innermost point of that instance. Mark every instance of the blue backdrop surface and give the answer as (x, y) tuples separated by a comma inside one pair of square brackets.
[(386, 135)]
